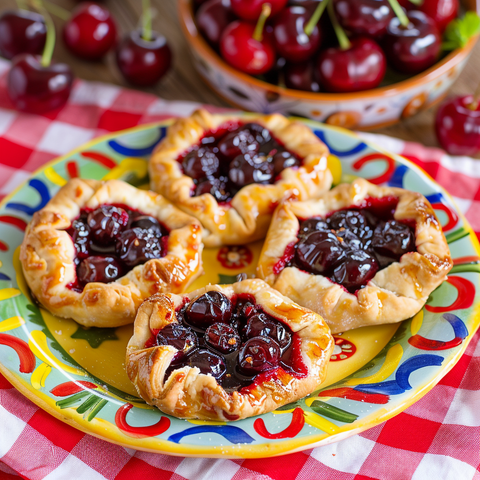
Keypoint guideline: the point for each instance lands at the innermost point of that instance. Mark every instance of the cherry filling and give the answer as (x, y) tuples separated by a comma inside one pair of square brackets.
[(111, 240), (352, 244), (232, 157), (232, 340)]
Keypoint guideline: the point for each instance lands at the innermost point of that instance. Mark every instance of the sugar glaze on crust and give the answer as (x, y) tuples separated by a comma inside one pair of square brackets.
[(47, 255), (187, 393), (396, 292), (248, 217)]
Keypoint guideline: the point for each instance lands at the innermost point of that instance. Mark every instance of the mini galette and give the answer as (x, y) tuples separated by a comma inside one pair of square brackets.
[(230, 172), (98, 249), (226, 352), (362, 255)]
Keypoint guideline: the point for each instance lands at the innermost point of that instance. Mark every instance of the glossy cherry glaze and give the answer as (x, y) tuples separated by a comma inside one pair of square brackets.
[(414, 48), (37, 89), (351, 245), (235, 343), (457, 125), (301, 76), (291, 41), (250, 10), (143, 63), (245, 53), (360, 67), (234, 156), (90, 32), (212, 19), (21, 31), (112, 239), (364, 17), (441, 11)]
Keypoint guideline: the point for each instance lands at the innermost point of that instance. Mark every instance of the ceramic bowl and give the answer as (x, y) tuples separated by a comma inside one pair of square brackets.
[(364, 110)]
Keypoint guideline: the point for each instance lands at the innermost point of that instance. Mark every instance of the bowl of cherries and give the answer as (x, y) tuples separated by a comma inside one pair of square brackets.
[(351, 63)]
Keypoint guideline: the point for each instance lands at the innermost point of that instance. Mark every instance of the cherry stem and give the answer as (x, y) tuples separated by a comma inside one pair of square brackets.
[(57, 10), (316, 17), (258, 32), (146, 21), (50, 40), (401, 15), (342, 38)]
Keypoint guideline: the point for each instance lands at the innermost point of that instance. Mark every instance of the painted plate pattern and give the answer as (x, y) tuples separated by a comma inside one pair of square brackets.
[(77, 374)]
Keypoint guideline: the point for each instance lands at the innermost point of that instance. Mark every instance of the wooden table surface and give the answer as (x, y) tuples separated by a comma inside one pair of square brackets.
[(183, 83)]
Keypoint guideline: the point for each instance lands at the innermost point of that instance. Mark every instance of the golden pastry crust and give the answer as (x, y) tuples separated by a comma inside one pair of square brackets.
[(47, 255), (187, 393), (396, 293), (248, 217)]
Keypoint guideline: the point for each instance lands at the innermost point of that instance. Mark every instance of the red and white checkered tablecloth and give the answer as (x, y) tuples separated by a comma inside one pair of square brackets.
[(436, 438)]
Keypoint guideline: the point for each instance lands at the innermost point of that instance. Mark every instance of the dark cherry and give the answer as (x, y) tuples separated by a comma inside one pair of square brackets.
[(223, 338), (90, 32), (212, 19), (37, 89), (81, 238), (218, 187), (180, 337), (208, 363), (352, 220), (261, 325), (147, 222), (312, 225), (106, 223), (457, 125), (319, 252), (143, 63), (301, 76), (135, 246), (200, 163), (21, 31), (360, 67), (98, 269), (291, 41), (260, 134), (441, 11), (247, 169), (210, 308), (414, 48), (354, 273), (350, 240), (251, 9), (244, 309), (238, 142), (393, 239), (282, 160), (364, 17), (242, 51), (258, 355)]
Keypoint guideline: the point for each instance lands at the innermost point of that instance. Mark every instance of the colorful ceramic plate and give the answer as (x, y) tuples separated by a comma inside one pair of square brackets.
[(77, 374)]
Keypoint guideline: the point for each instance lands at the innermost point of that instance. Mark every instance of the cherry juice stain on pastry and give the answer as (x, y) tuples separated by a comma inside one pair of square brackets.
[(111, 240), (352, 244), (234, 340), (233, 157)]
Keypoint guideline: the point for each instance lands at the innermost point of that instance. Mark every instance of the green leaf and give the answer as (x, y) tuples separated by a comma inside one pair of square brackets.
[(68, 402), (460, 31), (332, 412), (89, 403)]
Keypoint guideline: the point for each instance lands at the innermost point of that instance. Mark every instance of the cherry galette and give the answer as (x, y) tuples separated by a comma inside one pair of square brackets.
[(98, 249), (226, 352), (361, 255), (230, 172)]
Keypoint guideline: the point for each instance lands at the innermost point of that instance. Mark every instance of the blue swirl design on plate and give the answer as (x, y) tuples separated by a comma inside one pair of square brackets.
[(42, 190), (396, 180), (340, 153), (232, 434), (135, 151)]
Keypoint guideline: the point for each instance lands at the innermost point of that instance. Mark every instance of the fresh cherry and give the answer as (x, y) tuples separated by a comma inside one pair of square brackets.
[(208, 363), (180, 337), (261, 325), (364, 17), (248, 169), (222, 337), (212, 19), (413, 47), (98, 269), (143, 63), (393, 239), (21, 31), (135, 246), (441, 11), (301, 76), (90, 32), (218, 187), (251, 9), (210, 308), (360, 67), (291, 41), (357, 271), (106, 222), (35, 88), (200, 163), (258, 355), (457, 125)]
